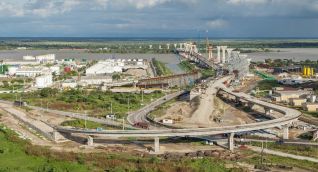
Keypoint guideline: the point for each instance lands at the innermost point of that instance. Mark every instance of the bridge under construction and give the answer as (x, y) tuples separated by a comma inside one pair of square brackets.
[(180, 80)]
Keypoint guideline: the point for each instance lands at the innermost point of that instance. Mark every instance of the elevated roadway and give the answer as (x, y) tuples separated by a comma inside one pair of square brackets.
[(141, 115), (290, 115), (197, 57)]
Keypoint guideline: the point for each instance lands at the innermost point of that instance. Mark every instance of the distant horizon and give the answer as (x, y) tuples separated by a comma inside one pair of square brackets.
[(145, 38)]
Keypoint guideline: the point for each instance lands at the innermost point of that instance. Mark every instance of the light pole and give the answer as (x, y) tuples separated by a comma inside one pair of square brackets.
[(111, 108), (142, 97), (85, 119), (123, 123), (128, 105)]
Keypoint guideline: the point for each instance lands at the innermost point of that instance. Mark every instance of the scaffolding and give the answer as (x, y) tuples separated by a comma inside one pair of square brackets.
[(238, 63)]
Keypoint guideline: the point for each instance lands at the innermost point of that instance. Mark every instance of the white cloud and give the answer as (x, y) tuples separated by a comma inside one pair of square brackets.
[(50, 7), (10, 9), (216, 24), (103, 3), (247, 2), (141, 4)]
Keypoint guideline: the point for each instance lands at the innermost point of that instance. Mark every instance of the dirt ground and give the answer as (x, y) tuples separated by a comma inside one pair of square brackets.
[(138, 73), (181, 113)]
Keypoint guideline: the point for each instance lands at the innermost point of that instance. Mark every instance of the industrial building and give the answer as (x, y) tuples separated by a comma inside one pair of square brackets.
[(297, 102), (288, 69), (29, 71), (44, 81), (310, 107), (95, 80), (29, 58), (47, 58), (21, 62), (110, 66), (56, 70), (33, 71), (70, 83), (284, 94), (308, 72)]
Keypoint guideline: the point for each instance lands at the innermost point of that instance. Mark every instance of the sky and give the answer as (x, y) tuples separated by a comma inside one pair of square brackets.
[(159, 18)]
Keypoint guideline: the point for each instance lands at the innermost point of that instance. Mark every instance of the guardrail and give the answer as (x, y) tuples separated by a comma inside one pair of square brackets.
[(290, 116)]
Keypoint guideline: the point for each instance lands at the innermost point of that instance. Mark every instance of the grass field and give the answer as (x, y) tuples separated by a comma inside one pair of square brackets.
[(20, 155), (89, 124), (161, 68), (255, 158), (267, 84), (309, 151), (96, 103), (14, 158)]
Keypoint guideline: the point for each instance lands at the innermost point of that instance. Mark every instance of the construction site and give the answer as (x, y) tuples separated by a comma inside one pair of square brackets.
[(110, 108)]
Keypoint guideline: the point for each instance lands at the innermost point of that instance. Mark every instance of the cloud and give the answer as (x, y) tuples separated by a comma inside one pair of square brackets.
[(103, 3), (147, 17), (10, 9), (247, 2), (140, 4), (49, 7), (216, 24)]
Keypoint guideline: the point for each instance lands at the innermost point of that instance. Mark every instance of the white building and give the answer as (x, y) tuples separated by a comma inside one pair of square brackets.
[(21, 62), (29, 58), (71, 83), (44, 81), (95, 80), (110, 66), (12, 70), (56, 70), (105, 67), (29, 72), (48, 58)]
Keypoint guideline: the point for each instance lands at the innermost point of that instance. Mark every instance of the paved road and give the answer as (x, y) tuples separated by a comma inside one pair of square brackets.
[(141, 114), (290, 115), (283, 154), (285, 142), (76, 115), (203, 113), (39, 126), (108, 122)]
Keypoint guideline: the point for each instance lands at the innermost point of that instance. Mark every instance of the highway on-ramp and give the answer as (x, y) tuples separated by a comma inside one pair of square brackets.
[(290, 115)]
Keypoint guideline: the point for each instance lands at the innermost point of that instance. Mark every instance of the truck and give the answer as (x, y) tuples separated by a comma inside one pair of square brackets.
[(142, 125), (20, 103)]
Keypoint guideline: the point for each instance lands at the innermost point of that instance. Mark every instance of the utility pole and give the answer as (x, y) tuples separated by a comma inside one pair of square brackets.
[(262, 152), (47, 106), (123, 123), (85, 119), (111, 108), (128, 105), (142, 97)]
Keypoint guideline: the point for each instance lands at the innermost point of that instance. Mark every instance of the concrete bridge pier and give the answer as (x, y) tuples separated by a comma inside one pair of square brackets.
[(250, 105), (231, 142), (157, 145), (285, 132), (90, 141), (315, 136), (55, 136), (237, 100), (268, 111)]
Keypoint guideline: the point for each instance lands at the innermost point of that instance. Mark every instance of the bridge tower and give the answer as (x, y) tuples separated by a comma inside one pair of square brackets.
[(218, 60), (223, 53), (210, 48)]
